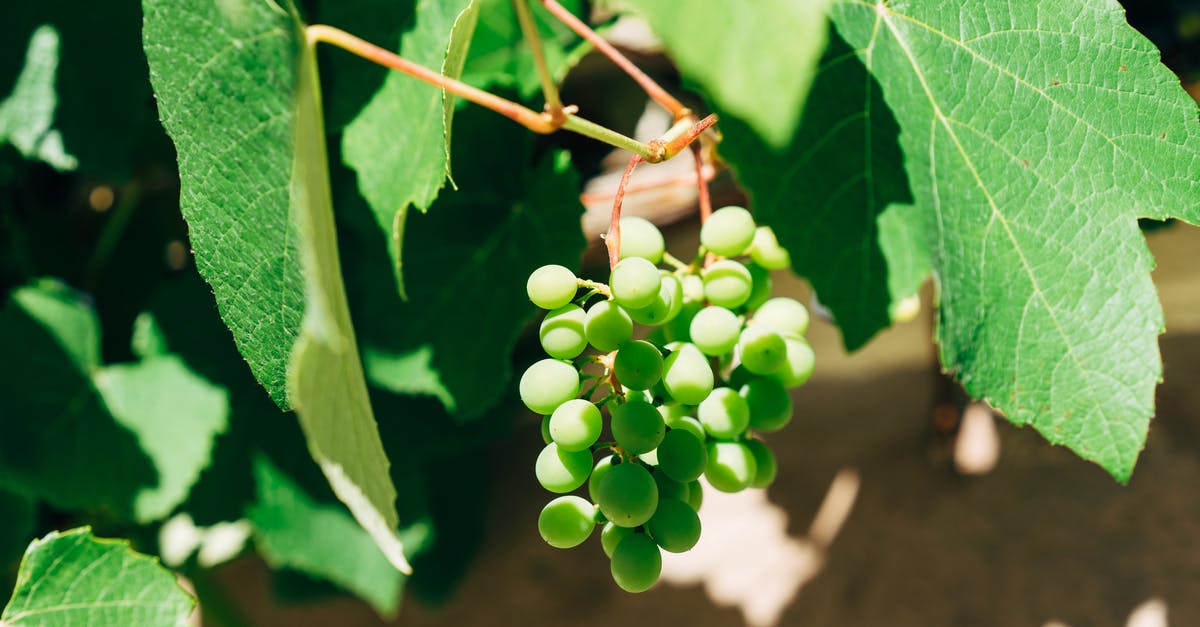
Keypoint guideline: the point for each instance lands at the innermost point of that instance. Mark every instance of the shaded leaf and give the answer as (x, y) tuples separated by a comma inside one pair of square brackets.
[(26, 116), (500, 56)]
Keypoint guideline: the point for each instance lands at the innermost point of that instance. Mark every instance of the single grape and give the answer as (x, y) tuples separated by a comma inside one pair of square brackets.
[(688, 424), (627, 494), (763, 351), (598, 471), (611, 535), (760, 286), (728, 232), (714, 330), (769, 402), (607, 326), (635, 282), (724, 414), (576, 425), (638, 365), (636, 563), (672, 411), (766, 251), (551, 286), (727, 283), (798, 366), (547, 384), (674, 526), (765, 466), (687, 375), (640, 238), (566, 521), (561, 471), (693, 288), (667, 304), (637, 427), (562, 333), (682, 456), (695, 495), (731, 466), (669, 488), (785, 315)]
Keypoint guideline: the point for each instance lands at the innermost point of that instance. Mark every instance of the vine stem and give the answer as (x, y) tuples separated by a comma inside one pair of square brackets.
[(704, 198), (554, 105), (613, 240)]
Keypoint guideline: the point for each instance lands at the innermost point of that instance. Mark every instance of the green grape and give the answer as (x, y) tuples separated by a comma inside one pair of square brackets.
[(627, 494), (798, 366), (637, 427), (727, 283), (547, 384), (672, 411), (598, 471), (611, 535), (551, 286), (674, 526), (635, 282), (562, 332), (669, 488), (640, 238), (724, 414), (638, 365), (566, 521), (677, 329), (682, 455), (760, 286), (693, 288), (766, 251), (728, 232), (561, 471), (715, 330), (546, 430), (765, 466), (688, 424), (575, 425), (695, 495), (731, 466), (769, 402), (667, 304), (607, 326), (687, 375), (785, 315), (763, 351), (636, 563)]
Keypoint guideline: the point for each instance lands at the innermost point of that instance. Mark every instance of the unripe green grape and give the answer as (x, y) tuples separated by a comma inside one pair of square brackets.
[(688, 424), (769, 402), (566, 521), (667, 304), (693, 288), (728, 232), (635, 282), (640, 238), (682, 456), (576, 425), (678, 329), (611, 535), (627, 494), (766, 251), (763, 351), (607, 326), (636, 563), (674, 526), (546, 430), (637, 427), (687, 375), (714, 330), (727, 283), (798, 366), (669, 488), (760, 286), (638, 365), (785, 315), (561, 471), (551, 286), (562, 333), (724, 414), (672, 411), (731, 466), (695, 495), (547, 384), (601, 468), (765, 466)]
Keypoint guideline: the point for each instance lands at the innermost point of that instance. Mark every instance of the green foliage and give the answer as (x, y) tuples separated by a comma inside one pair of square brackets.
[(71, 578), (26, 116), (500, 58)]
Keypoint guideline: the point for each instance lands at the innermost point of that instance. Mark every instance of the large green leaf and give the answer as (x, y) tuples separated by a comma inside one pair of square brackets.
[(27, 115), (1035, 134), (239, 94), (753, 60), (500, 56), (73, 578), (399, 143)]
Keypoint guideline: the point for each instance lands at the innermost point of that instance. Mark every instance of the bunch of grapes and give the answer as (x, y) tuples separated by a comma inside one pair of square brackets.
[(690, 399)]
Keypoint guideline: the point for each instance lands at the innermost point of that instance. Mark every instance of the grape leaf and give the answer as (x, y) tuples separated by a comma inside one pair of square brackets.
[(74, 578), (500, 56), (399, 143), (837, 196), (754, 60), (1035, 134), (239, 94), (27, 115)]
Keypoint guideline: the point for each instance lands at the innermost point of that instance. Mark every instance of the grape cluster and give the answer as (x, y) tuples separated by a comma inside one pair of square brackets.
[(683, 402)]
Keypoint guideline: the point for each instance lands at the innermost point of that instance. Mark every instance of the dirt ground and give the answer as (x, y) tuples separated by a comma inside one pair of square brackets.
[(1044, 537)]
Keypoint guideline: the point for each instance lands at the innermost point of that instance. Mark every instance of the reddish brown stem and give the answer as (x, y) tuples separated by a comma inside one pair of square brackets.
[(704, 198), (613, 240), (692, 134)]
